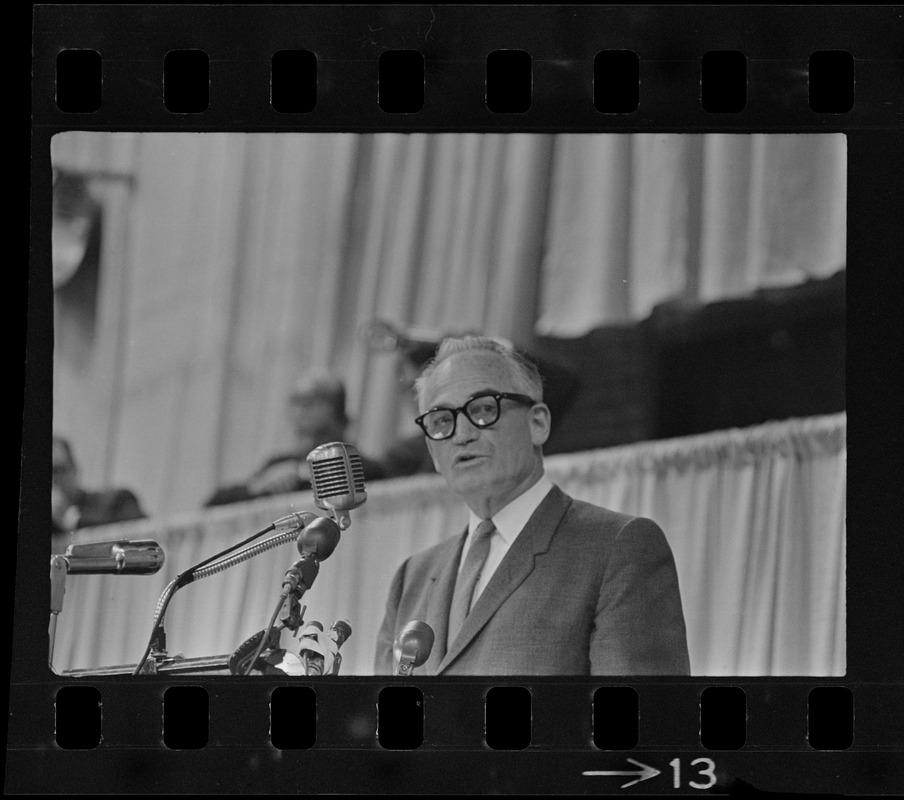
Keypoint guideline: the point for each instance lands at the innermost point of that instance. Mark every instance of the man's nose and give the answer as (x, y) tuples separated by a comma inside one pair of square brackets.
[(465, 430)]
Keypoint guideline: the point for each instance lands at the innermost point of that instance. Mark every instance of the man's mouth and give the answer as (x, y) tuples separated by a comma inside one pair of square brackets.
[(468, 458)]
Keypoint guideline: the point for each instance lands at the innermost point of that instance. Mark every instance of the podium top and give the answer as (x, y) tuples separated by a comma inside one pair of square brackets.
[(204, 665)]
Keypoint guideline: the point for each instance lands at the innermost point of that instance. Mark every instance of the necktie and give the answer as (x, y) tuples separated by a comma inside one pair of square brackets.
[(468, 577)]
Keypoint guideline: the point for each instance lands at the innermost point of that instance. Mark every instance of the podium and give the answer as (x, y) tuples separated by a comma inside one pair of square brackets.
[(204, 665)]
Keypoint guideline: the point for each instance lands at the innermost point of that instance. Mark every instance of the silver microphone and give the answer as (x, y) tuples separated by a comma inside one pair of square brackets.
[(339, 632), (143, 557), (412, 646), (337, 478)]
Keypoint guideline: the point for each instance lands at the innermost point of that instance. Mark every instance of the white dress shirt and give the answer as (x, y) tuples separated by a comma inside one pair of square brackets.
[(509, 522)]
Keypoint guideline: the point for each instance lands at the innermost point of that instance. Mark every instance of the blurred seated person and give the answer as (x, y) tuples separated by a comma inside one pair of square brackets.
[(317, 416), (74, 507)]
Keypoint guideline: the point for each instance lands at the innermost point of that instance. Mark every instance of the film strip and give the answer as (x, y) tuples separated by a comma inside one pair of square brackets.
[(592, 69)]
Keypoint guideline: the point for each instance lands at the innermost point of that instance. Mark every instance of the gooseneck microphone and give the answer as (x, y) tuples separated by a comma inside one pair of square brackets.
[(337, 479), (288, 528), (143, 557), (412, 646), (315, 543)]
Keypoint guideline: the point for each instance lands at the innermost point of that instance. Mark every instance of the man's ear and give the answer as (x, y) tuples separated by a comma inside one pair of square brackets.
[(540, 421)]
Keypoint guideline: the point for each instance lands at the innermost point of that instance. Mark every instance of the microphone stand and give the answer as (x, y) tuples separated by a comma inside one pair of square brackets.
[(288, 527), (337, 472), (298, 580), (120, 557), (59, 567), (317, 543)]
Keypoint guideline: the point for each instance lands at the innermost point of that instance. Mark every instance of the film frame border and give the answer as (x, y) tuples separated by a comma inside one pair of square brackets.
[(236, 760)]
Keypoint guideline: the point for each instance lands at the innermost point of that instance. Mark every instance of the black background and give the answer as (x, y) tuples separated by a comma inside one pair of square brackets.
[(455, 41)]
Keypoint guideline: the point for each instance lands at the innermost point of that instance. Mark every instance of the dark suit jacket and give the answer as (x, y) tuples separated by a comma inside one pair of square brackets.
[(582, 591)]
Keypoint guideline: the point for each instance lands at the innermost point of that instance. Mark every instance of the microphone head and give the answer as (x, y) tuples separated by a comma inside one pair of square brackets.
[(319, 538), (341, 629), (122, 557), (337, 476), (415, 643)]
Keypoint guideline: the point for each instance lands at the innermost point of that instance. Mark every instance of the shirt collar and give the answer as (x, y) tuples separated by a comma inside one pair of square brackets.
[(511, 519)]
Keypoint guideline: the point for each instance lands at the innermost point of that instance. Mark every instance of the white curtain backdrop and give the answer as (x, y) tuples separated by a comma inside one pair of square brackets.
[(755, 518), (636, 219), (231, 263)]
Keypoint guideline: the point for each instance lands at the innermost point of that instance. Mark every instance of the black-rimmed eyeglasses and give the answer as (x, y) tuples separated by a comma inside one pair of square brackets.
[(482, 411)]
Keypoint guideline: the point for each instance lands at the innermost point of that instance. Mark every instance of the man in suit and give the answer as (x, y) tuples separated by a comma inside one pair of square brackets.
[(540, 583)]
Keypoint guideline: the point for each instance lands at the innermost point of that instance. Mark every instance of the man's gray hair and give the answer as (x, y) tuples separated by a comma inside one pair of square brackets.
[(522, 370)]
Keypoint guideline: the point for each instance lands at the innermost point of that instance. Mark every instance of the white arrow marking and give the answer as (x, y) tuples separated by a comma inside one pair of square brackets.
[(645, 773)]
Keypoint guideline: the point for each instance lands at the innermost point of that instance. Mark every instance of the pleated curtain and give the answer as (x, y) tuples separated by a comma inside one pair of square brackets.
[(231, 263)]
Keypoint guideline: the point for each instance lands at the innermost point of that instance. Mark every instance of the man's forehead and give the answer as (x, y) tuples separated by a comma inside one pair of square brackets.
[(463, 373)]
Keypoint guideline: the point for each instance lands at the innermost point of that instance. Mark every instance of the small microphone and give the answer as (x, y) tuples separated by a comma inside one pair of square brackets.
[(315, 542), (318, 539), (340, 630), (412, 646), (311, 651), (337, 478), (319, 651), (300, 577), (143, 557)]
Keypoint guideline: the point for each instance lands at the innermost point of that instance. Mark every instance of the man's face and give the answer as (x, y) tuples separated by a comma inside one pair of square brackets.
[(487, 467)]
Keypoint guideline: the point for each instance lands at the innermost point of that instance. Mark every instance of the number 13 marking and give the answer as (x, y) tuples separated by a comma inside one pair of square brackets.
[(708, 770)]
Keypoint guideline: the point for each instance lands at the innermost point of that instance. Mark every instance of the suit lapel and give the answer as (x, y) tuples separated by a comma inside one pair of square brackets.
[(518, 563)]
